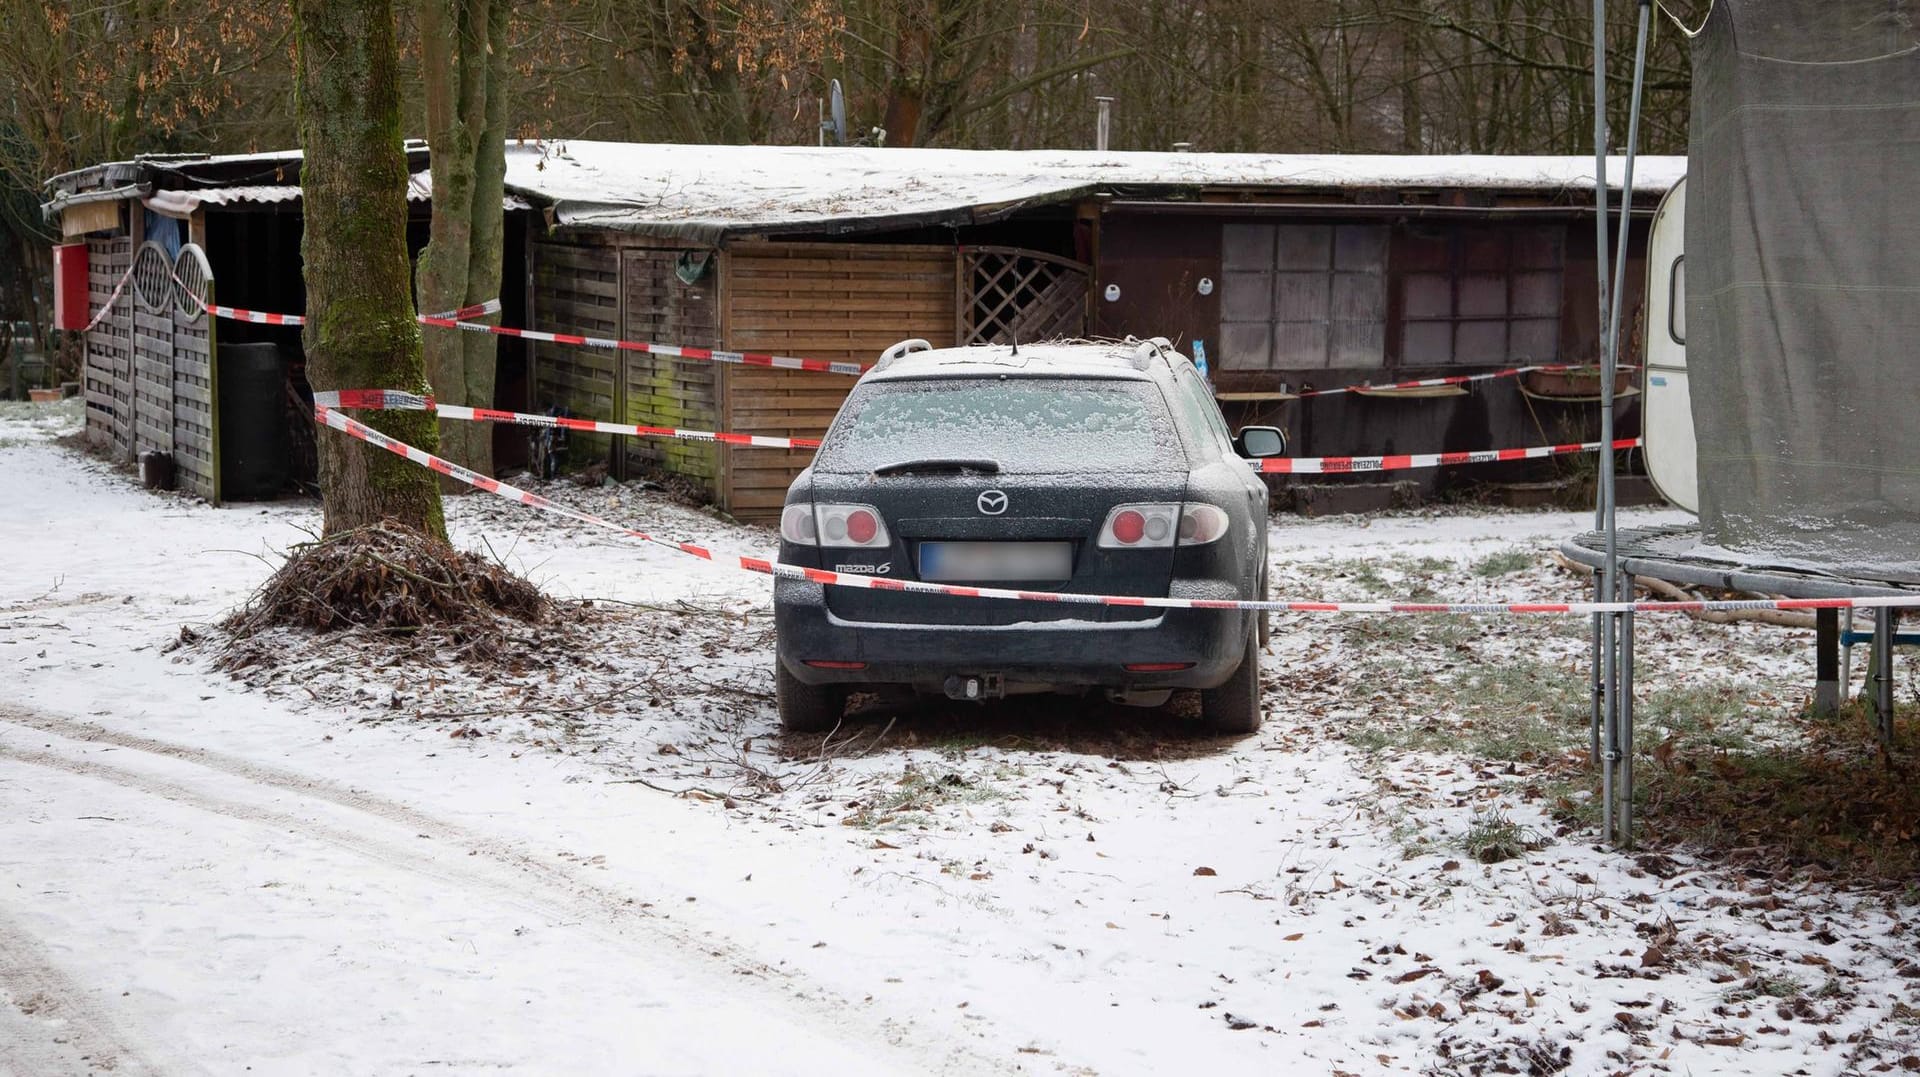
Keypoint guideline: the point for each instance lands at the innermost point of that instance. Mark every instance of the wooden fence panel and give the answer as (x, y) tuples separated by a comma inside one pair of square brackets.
[(107, 377), (152, 382), (816, 301), (576, 289), (194, 447), (661, 390)]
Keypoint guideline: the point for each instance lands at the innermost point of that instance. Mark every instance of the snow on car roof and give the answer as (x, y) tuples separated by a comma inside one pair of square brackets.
[(1085, 359)]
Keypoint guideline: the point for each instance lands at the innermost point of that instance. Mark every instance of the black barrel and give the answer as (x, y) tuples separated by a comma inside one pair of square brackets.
[(255, 446)]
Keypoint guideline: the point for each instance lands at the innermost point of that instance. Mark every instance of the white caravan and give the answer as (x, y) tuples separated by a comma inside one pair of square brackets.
[(1666, 416)]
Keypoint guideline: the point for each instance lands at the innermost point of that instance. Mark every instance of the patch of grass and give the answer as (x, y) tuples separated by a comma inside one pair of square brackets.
[(1712, 717), (1440, 628), (1574, 800), (1362, 574), (917, 795), (1492, 838), (1779, 986), (1830, 799), (1504, 563), (1374, 738), (1519, 711)]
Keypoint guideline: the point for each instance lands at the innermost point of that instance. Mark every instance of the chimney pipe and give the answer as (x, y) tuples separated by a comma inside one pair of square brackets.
[(1104, 124)]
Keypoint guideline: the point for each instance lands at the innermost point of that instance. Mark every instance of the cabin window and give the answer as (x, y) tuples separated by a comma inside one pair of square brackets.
[(1482, 295), (1303, 296), (1677, 301)]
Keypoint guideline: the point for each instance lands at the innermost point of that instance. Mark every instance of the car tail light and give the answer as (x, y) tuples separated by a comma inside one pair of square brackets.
[(1156, 667), (1140, 527), (797, 525), (834, 525), (1201, 524), (1146, 527), (824, 663)]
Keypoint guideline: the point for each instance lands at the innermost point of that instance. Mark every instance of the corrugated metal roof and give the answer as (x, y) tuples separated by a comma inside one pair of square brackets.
[(419, 189)]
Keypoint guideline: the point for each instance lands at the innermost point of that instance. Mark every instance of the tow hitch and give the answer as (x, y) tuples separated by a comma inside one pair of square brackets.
[(973, 687)]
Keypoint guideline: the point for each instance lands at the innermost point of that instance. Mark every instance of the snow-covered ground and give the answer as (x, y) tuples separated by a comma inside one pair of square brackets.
[(603, 858)]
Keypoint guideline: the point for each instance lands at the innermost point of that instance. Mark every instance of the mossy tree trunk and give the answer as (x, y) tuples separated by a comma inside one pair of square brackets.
[(360, 331), (464, 60)]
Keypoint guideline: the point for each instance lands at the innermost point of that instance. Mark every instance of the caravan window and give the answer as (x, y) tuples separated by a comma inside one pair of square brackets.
[(1677, 301)]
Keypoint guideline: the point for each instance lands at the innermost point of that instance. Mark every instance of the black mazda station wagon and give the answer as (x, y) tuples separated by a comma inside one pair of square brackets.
[(1095, 468)]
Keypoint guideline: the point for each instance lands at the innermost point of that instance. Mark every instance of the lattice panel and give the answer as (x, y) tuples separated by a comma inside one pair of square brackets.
[(1014, 294)]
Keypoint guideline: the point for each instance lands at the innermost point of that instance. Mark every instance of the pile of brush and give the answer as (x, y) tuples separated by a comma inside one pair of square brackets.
[(395, 581)]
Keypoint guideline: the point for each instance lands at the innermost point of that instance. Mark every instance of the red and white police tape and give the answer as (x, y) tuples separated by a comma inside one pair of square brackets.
[(1459, 379), (395, 400), (112, 298), (450, 317), (677, 351), (352, 428), (457, 319), (1345, 465), (461, 319)]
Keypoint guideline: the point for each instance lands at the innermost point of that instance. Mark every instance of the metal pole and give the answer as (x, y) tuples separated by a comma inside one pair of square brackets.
[(1883, 629), (1626, 725), (1603, 626), (1826, 663), (1620, 656)]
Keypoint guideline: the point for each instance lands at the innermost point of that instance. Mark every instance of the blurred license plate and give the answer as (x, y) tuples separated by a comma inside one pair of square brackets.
[(979, 562)]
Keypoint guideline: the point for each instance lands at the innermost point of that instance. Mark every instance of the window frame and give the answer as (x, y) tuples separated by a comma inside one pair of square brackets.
[(1458, 239), (1273, 267), (1189, 383), (1676, 301)]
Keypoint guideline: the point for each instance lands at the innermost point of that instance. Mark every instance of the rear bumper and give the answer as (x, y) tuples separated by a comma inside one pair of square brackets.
[(1058, 654)]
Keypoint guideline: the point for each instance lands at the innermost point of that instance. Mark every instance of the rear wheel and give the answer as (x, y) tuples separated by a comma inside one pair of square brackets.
[(1234, 707), (806, 708)]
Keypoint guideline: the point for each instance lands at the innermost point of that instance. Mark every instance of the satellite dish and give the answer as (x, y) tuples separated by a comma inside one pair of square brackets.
[(838, 111)]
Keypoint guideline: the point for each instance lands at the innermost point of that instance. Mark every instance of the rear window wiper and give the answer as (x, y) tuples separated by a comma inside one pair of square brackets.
[(908, 467)]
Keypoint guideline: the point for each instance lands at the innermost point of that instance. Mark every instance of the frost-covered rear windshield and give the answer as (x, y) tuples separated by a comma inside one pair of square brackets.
[(1022, 424)]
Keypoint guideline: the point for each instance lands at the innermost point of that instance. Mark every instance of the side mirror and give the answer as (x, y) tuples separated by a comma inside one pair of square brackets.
[(1256, 442)]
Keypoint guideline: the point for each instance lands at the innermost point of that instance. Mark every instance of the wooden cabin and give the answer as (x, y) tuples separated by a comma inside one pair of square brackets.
[(1285, 271)]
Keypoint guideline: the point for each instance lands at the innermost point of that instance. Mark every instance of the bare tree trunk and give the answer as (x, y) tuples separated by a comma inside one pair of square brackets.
[(360, 330), (487, 247), (463, 46)]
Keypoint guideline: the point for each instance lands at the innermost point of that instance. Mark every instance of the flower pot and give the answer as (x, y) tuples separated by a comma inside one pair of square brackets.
[(44, 396), (1575, 384)]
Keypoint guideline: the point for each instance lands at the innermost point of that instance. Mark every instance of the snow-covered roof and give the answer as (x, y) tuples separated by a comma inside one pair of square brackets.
[(707, 192), (183, 202)]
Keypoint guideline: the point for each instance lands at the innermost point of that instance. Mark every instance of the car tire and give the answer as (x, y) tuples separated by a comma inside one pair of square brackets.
[(1234, 707), (806, 708)]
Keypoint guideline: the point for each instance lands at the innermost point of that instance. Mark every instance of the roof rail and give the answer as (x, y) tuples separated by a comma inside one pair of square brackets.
[(1151, 348), (904, 348)]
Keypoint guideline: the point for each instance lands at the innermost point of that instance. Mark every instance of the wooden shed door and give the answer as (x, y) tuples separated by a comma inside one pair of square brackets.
[(815, 301), (1014, 295)]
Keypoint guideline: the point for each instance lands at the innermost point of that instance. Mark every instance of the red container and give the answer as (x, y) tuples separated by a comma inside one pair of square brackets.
[(70, 300)]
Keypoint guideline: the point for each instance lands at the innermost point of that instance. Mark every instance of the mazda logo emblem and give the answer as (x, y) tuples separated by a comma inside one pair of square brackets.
[(992, 502)]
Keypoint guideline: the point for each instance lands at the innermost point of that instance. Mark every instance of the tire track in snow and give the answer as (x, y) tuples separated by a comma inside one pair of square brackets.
[(545, 890), (50, 1025)]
